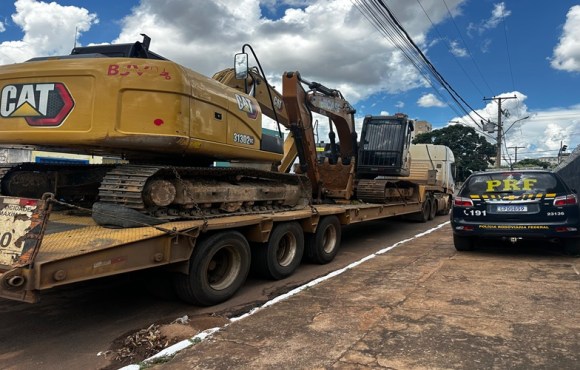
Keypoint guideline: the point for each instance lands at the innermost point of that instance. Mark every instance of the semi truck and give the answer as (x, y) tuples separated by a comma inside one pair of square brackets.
[(169, 207)]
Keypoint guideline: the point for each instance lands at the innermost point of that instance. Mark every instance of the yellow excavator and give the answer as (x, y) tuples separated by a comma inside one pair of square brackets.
[(171, 124)]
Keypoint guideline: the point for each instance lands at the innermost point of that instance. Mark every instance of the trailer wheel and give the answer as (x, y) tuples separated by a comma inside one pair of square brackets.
[(432, 208), (218, 267), (462, 243), (322, 246), (281, 255)]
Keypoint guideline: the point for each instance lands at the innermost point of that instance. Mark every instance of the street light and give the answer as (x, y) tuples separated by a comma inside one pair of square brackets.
[(514, 122), (563, 148)]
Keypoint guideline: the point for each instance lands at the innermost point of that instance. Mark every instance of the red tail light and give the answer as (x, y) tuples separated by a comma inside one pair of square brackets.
[(462, 202), (28, 202), (566, 200)]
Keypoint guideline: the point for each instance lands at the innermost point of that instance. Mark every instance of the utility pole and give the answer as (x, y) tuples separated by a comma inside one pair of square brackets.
[(516, 158), (499, 112)]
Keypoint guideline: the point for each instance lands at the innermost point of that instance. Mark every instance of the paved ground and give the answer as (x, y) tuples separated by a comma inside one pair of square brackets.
[(420, 306)]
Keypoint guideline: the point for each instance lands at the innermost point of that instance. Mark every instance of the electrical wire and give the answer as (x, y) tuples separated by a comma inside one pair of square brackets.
[(379, 14), (450, 47), (399, 41), (468, 50), (508, 50)]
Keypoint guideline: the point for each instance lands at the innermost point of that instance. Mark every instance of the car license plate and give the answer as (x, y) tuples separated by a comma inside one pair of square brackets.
[(512, 208)]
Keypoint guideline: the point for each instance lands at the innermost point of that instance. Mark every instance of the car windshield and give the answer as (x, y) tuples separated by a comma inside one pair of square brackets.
[(513, 183)]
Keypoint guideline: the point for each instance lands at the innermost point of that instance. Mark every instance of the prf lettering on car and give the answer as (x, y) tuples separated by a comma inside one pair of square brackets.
[(510, 185)]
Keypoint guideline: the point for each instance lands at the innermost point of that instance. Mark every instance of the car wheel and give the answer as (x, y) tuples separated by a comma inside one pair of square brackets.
[(463, 243), (572, 246)]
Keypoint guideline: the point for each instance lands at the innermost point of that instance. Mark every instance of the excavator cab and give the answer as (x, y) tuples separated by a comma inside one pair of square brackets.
[(384, 146)]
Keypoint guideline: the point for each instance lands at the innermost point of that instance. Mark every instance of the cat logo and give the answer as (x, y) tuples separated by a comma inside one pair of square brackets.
[(247, 105), (41, 104)]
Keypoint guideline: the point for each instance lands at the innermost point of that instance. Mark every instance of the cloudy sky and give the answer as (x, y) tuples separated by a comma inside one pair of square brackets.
[(482, 48)]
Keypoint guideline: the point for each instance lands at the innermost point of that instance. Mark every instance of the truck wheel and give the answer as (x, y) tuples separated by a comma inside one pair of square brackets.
[(322, 246), (446, 209), (462, 243), (572, 246), (218, 267), (423, 216), (281, 255), (432, 208)]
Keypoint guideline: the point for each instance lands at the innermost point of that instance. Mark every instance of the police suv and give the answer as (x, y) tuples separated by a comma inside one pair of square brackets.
[(516, 205)]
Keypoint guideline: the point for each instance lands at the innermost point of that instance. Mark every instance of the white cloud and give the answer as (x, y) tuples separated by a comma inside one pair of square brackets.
[(328, 41), (2, 27), (430, 100), (49, 29), (485, 45), (498, 13), (457, 50), (567, 53), (540, 134)]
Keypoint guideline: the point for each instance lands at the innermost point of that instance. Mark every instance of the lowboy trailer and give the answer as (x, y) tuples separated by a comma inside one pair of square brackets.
[(43, 248)]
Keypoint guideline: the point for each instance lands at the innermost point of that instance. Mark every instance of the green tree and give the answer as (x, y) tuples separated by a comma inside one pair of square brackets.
[(530, 162), (472, 151)]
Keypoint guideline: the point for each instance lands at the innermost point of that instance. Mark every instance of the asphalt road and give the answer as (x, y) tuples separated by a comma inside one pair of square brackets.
[(421, 305), (71, 325)]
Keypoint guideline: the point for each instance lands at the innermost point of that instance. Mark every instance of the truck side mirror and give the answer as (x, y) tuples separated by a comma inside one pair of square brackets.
[(241, 66)]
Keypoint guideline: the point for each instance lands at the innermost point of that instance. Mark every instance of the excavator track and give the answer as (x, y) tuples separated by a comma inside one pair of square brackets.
[(384, 190), (163, 192), (191, 192), (372, 191), (74, 183)]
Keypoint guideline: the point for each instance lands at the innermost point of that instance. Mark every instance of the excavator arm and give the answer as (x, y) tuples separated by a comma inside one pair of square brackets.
[(329, 180), (271, 104), (270, 100), (293, 110)]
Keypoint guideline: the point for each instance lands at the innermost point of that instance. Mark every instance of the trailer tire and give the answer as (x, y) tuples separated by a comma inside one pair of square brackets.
[(322, 246), (463, 243), (281, 255), (218, 267)]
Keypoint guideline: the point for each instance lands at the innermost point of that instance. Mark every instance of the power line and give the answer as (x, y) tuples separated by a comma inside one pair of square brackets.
[(393, 34), (402, 40), (468, 50), (450, 47), (507, 49)]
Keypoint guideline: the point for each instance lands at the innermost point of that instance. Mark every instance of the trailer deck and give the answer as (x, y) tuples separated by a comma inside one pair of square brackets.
[(74, 248)]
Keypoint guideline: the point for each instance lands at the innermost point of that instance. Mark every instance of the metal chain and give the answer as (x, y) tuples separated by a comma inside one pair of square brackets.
[(312, 208)]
